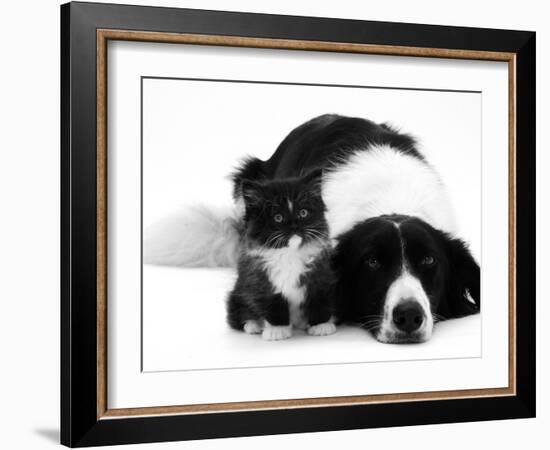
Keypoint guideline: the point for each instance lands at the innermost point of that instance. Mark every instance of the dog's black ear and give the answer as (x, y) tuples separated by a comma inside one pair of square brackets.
[(463, 280), (342, 263), (341, 255)]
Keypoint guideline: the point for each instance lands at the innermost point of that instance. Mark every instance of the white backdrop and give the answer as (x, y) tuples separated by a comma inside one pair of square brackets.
[(30, 358)]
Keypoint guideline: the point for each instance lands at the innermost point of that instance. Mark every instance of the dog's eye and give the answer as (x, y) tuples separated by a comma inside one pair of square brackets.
[(303, 213), (428, 261), (278, 218), (373, 263)]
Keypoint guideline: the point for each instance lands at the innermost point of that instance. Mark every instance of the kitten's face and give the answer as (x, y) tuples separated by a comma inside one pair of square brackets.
[(278, 210)]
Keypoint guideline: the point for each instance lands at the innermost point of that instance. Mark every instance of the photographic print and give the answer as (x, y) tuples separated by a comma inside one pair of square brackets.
[(291, 210)]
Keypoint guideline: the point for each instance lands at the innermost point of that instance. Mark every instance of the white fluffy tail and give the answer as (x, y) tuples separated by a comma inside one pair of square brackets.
[(198, 236)]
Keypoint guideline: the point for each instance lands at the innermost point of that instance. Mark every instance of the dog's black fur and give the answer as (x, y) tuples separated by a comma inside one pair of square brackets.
[(320, 143), (372, 254)]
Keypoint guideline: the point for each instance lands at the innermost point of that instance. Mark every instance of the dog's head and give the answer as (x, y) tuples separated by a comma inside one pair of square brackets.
[(398, 276)]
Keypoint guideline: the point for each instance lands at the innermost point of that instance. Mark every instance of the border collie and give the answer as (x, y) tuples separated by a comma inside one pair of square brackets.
[(399, 264)]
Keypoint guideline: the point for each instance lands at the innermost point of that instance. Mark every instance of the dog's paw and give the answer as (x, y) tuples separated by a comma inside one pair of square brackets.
[(276, 333), (252, 327), (322, 329)]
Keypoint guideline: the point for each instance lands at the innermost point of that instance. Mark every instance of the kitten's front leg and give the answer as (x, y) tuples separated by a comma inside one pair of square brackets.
[(252, 327), (318, 312), (322, 329), (277, 319)]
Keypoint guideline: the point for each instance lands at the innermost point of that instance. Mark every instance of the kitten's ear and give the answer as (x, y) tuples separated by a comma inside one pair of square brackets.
[(251, 191), (314, 177)]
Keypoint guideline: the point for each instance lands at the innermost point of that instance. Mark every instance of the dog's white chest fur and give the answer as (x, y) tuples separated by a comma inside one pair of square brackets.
[(285, 266), (380, 181)]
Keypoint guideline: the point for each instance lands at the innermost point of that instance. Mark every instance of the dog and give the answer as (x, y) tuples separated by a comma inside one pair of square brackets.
[(399, 263)]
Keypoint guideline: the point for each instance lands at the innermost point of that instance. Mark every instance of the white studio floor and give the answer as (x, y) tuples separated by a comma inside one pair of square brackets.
[(184, 328)]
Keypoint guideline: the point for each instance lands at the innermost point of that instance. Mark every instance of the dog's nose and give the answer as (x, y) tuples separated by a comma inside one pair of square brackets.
[(408, 316)]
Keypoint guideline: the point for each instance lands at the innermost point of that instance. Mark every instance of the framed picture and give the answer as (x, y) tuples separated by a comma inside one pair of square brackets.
[(276, 224)]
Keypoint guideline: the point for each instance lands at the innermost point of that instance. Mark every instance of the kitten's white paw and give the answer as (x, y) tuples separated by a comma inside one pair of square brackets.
[(277, 333), (322, 329), (252, 327)]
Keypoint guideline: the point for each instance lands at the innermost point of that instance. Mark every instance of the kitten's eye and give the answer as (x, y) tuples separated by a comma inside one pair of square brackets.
[(303, 213), (278, 218), (428, 261), (373, 263)]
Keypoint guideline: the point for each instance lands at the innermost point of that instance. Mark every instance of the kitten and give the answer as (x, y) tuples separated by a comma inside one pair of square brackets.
[(284, 274)]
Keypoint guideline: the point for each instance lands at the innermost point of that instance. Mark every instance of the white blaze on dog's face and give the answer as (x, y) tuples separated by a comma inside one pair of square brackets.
[(398, 274), (407, 312)]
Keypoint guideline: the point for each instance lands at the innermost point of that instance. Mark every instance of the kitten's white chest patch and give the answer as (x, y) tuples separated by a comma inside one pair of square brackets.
[(285, 266)]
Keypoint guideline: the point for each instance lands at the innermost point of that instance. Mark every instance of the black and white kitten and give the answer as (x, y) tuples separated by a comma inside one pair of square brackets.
[(284, 274)]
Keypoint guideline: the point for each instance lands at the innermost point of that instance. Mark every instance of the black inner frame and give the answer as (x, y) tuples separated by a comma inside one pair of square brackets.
[(79, 423)]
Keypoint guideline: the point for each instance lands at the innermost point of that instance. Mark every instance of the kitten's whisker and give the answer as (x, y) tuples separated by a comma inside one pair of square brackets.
[(270, 240), (279, 241), (273, 238), (318, 233), (315, 235)]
